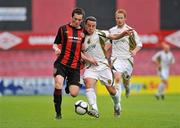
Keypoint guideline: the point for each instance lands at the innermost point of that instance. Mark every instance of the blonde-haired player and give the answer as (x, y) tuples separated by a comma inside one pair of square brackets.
[(163, 59), (123, 50)]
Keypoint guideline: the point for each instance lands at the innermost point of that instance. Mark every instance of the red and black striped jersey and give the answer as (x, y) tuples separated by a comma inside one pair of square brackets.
[(71, 40)]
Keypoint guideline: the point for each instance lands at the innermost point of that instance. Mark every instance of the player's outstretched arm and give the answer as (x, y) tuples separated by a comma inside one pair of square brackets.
[(120, 35)]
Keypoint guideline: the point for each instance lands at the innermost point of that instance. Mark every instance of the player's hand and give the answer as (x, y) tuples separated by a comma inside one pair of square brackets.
[(57, 51), (128, 32), (93, 61), (110, 66), (133, 52)]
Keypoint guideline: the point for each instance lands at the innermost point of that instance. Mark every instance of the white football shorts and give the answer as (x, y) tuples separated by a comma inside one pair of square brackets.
[(105, 75), (123, 65), (164, 74)]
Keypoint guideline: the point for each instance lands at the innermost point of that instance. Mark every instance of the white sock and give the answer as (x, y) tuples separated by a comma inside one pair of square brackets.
[(116, 99), (161, 89), (91, 96), (120, 89), (119, 86)]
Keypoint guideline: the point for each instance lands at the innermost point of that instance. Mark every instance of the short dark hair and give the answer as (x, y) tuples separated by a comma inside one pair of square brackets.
[(78, 11), (91, 18)]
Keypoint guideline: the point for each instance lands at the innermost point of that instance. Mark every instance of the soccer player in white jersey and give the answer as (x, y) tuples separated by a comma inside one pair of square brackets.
[(163, 59), (123, 50), (95, 51)]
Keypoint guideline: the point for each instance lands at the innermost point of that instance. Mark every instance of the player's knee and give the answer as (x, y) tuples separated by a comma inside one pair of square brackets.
[(117, 80), (74, 91), (113, 93), (111, 90), (58, 85), (58, 82), (73, 94), (88, 86)]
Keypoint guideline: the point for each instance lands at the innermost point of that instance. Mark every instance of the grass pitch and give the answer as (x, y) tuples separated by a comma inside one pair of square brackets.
[(139, 111)]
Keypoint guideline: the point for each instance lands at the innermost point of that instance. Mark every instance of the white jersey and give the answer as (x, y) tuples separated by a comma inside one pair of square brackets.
[(121, 47), (93, 48), (165, 59)]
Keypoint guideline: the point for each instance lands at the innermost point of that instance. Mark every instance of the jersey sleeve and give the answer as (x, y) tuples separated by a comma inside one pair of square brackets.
[(58, 39), (106, 33), (137, 39), (103, 34)]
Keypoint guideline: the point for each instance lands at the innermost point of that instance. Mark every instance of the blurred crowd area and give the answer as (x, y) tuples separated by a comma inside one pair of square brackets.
[(26, 63)]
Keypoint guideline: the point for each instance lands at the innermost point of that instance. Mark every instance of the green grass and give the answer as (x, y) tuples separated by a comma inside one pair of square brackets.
[(139, 111)]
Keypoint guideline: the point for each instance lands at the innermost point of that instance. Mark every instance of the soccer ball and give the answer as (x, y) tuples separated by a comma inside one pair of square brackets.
[(81, 107)]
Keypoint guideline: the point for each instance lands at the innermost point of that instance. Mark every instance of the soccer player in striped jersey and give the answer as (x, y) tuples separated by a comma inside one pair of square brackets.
[(95, 50), (163, 59), (123, 50), (67, 65)]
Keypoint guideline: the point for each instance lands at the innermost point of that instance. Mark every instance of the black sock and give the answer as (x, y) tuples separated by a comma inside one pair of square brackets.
[(57, 100)]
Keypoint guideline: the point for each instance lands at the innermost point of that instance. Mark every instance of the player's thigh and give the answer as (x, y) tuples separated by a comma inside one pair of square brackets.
[(74, 90), (119, 65), (59, 75), (73, 81), (73, 77), (164, 75), (90, 78), (128, 71), (106, 77), (119, 68), (90, 82), (123, 67)]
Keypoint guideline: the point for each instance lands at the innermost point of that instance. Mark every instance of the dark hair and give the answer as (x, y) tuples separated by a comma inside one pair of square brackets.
[(78, 11), (91, 18)]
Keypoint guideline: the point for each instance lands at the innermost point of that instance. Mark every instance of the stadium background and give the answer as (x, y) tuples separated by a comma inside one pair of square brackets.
[(28, 28)]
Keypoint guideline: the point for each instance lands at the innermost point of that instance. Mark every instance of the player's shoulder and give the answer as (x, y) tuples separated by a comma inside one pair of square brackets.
[(97, 31), (171, 54), (62, 27), (127, 26), (161, 52), (103, 33), (113, 28)]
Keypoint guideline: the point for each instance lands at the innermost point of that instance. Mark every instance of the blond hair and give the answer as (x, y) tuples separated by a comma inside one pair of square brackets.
[(123, 11)]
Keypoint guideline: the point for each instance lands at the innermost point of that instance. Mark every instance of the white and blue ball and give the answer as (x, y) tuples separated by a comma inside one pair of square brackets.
[(81, 107)]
